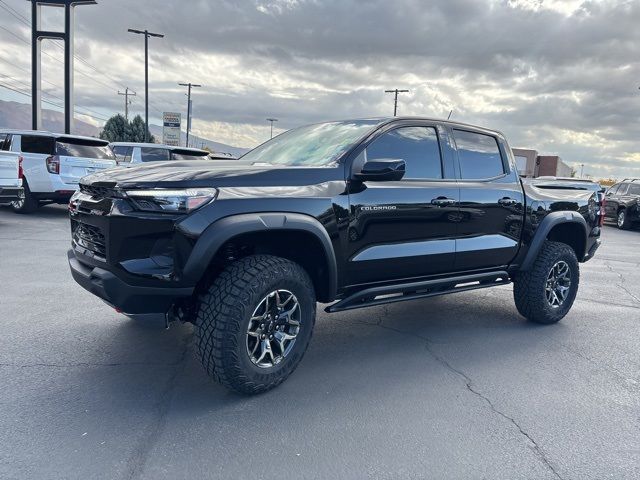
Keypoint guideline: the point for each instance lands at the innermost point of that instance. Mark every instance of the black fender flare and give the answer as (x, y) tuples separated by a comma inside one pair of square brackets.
[(219, 232), (546, 225)]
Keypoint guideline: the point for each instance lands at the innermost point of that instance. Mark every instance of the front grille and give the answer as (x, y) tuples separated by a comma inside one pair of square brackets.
[(90, 238), (99, 192)]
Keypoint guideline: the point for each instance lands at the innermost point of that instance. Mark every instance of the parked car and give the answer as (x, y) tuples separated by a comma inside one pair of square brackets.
[(244, 249), (129, 154), (10, 177), (52, 164), (623, 203)]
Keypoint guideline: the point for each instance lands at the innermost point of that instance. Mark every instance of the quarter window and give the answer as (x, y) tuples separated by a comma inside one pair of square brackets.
[(37, 144), (479, 155), (417, 146), (152, 154)]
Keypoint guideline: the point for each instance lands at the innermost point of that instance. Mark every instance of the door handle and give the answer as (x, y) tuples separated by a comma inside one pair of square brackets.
[(506, 201), (442, 201)]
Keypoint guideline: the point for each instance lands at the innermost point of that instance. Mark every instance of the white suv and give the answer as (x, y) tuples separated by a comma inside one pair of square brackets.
[(129, 154), (52, 164)]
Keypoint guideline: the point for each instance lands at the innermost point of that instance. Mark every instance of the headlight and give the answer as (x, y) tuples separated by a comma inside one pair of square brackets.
[(172, 201)]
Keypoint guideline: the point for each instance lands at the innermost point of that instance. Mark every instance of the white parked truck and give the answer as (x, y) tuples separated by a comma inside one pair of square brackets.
[(10, 177)]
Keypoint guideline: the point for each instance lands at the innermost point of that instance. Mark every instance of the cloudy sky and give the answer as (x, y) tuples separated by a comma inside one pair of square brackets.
[(561, 76)]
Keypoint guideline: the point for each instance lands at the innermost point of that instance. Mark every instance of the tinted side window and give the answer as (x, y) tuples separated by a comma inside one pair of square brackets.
[(479, 155), (150, 154), (36, 144), (623, 189), (634, 190), (417, 146), (613, 190), (123, 153)]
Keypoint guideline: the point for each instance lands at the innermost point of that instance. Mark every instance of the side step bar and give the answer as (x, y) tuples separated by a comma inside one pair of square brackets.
[(410, 291)]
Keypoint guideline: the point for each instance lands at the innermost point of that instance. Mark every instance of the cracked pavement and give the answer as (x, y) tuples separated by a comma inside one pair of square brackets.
[(448, 387)]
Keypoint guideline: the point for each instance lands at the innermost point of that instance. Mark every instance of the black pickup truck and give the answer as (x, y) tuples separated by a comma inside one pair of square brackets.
[(349, 213)]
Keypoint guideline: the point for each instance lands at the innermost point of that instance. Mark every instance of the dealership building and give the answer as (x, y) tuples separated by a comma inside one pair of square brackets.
[(532, 165)]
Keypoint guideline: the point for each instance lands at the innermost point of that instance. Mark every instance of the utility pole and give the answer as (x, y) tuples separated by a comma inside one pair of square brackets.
[(146, 34), (127, 102), (395, 102), (272, 120), (189, 86), (37, 36)]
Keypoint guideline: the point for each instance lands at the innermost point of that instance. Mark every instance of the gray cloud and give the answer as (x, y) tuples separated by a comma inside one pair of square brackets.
[(560, 79)]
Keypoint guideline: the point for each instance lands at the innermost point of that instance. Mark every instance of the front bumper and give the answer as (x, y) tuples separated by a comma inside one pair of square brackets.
[(129, 299), (10, 194)]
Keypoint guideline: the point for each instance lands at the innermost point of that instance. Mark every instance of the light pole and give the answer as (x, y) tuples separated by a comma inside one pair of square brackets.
[(146, 34), (127, 102), (395, 102), (189, 85), (272, 120)]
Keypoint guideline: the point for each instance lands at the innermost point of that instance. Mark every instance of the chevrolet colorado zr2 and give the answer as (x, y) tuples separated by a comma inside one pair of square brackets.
[(349, 213)]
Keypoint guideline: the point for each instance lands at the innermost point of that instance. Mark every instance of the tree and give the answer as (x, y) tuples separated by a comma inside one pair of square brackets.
[(136, 130), (115, 130)]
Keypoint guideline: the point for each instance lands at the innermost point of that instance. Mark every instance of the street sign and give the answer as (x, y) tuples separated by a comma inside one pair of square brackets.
[(171, 128)]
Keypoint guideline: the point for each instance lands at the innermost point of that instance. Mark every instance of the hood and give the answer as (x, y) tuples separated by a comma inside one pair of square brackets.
[(181, 174)]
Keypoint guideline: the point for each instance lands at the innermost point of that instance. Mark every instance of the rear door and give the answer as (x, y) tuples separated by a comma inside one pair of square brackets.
[(35, 149), (407, 228), (491, 201), (613, 200), (81, 157)]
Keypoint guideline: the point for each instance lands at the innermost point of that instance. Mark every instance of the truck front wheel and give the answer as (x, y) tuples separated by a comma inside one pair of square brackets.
[(254, 323), (546, 292)]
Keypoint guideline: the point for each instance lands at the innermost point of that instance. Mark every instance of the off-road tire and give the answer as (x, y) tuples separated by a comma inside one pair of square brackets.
[(622, 220), (28, 205), (223, 315), (529, 286)]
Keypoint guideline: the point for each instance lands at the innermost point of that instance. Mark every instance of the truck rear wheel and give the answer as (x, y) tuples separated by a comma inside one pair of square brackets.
[(546, 292), (27, 204), (254, 323)]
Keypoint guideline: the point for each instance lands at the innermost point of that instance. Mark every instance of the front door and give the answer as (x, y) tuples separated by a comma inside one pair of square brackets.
[(491, 202), (404, 229)]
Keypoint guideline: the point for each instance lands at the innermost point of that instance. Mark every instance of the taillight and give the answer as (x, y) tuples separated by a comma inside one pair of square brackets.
[(603, 203), (53, 165), (20, 170)]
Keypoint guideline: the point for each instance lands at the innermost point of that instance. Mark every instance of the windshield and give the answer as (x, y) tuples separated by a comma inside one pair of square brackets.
[(318, 145)]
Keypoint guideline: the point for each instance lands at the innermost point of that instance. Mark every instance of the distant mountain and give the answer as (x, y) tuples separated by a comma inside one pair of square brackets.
[(18, 116)]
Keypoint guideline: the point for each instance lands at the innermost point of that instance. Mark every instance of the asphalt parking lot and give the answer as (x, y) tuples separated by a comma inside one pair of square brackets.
[(451, 387)]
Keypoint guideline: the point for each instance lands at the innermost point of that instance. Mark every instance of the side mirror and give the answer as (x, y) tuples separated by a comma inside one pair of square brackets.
[(382, 170)]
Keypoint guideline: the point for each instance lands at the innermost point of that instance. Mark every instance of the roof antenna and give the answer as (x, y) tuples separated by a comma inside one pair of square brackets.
[(450, 113)]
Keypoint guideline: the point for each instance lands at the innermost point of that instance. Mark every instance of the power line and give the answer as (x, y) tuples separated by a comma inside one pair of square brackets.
[(16, 90), (78, 57), (15, 13)]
